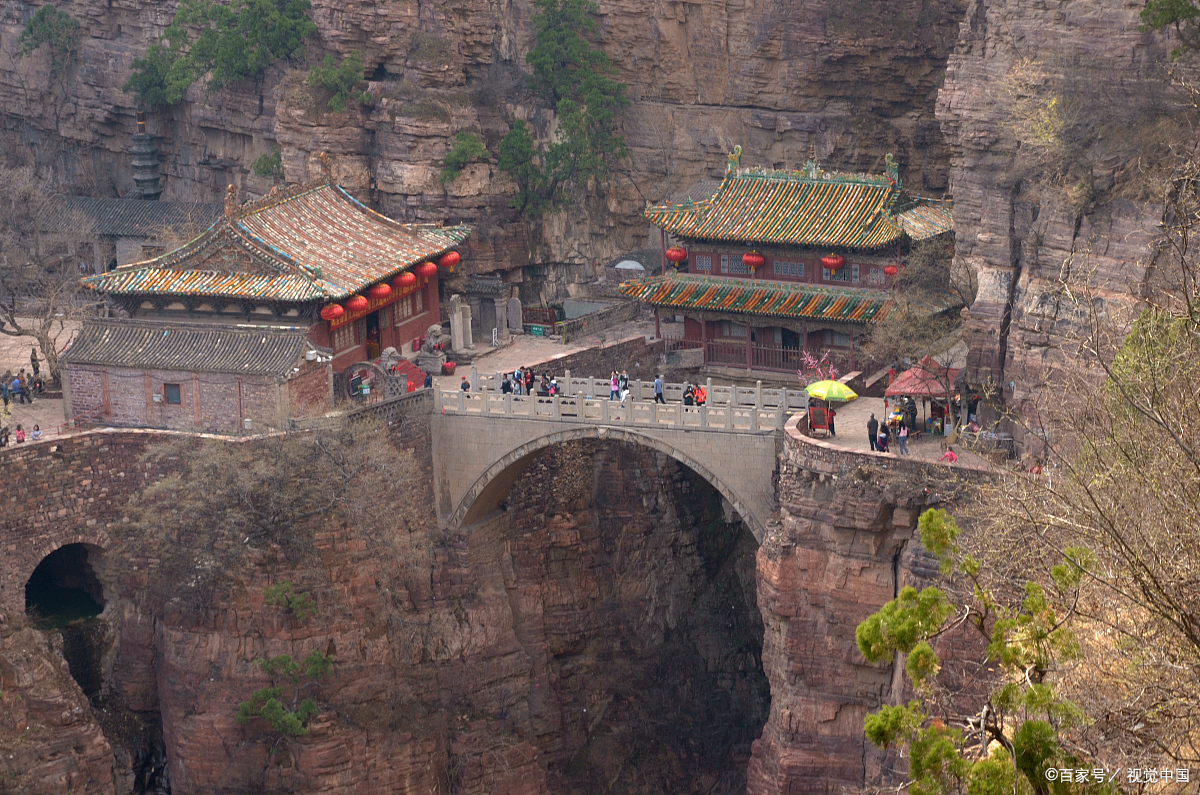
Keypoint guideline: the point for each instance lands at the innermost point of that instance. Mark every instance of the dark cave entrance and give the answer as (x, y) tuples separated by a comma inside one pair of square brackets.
[(64, 593), (645, 643)]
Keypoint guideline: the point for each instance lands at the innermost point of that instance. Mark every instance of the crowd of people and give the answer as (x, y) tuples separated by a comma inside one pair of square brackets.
[(523, 381), (21, 388)]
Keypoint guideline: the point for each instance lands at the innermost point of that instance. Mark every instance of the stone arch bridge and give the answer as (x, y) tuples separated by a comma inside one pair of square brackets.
[(483, 441)]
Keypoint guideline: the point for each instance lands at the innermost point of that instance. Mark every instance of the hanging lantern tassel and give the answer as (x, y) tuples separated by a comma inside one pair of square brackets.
[(449, 260)]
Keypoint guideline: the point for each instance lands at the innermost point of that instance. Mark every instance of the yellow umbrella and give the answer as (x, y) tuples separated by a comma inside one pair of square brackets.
[(831, 391)]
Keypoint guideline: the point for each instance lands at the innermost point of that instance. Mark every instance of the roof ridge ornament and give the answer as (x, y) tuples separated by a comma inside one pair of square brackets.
[(326, 161), (231, 201), (735, 160)]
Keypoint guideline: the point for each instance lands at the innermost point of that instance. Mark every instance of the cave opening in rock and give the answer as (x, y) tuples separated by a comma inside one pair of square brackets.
[(64, 593), (631, 582)]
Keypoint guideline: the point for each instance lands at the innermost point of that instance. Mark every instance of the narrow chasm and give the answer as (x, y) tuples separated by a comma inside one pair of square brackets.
[(632, 586)]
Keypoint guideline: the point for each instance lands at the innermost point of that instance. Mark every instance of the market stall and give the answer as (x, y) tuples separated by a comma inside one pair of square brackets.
[(932, 386)]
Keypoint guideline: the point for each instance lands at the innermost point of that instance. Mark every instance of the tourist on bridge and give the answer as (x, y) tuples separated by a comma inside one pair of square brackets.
[(872, 431), (623, 383), (518, 381), (614, 385), (658, 390), (528, 380), (689, 396), (429, 380), (506, 386), (701, 395), (465, 385), (544, 387)]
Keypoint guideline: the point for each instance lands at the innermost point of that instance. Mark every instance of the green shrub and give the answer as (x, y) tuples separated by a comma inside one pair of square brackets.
[(468, 147), (283, 594), (58, 31), (340, 79), (573, 75), (235, 42), (282, 705), (269, 164)]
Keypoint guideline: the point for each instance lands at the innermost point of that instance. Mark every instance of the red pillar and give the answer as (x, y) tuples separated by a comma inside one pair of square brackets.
[(749, 350)]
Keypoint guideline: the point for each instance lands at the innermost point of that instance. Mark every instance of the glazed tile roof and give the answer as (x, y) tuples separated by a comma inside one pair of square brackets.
[(808, 207), (842, 304), (928, 219), (196, 348), (305, 243), (141, 217)]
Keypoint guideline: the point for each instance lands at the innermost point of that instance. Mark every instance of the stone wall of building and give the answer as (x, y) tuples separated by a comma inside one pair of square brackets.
[(209, 402)]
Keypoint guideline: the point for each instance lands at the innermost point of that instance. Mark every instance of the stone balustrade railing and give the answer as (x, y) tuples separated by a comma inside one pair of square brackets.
[(718, 395), (631, 412)]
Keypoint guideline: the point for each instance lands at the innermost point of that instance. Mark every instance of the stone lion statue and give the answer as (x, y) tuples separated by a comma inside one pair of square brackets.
[(433, 338)]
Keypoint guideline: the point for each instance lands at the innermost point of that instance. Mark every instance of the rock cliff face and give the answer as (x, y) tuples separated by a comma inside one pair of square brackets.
[(844, 546), (600, 635), (1058, 117), (853, 79)]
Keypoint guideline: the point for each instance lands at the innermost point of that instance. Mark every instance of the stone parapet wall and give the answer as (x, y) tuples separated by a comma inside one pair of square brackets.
[(637, 355)]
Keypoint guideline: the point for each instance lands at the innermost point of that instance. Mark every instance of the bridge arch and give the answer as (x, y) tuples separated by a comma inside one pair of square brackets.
[(489, 489)]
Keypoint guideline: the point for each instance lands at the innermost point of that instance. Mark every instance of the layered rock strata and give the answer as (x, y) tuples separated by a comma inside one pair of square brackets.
[(854, 80), (1060, 118)]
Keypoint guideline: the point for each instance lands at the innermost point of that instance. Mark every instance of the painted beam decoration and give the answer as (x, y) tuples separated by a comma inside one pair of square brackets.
[(845, 304)]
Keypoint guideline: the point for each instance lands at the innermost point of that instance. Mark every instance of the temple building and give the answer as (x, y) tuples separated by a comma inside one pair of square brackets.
[(775, 262), (258, 319)]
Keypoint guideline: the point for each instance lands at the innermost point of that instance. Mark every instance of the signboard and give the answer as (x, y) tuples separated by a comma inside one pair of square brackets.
[(817, 418), (376, 304), (537, 331)]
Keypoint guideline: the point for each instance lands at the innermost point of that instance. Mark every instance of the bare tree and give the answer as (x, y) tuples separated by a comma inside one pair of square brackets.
[(41, 296)]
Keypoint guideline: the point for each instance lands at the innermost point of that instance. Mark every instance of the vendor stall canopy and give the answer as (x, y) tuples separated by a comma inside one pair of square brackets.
[(928, 379)]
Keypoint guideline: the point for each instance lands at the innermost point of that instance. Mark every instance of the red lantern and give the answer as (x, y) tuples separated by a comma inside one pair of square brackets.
[(427, 269), (379, 292), (833, 261), (891, 270), (449, 260), (753, 260), (404, 280), (357, 303), (332, 312), (677, 254)]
